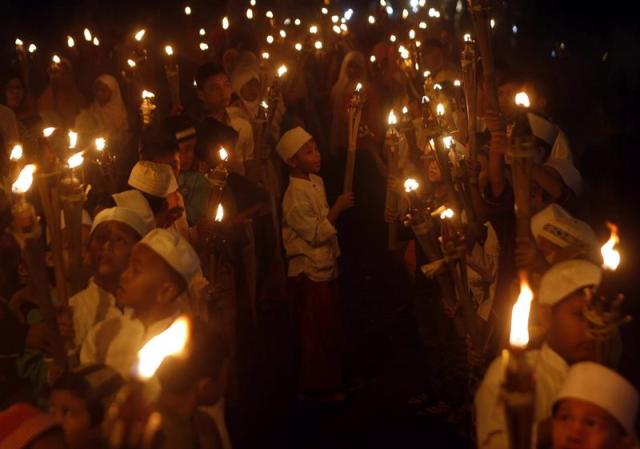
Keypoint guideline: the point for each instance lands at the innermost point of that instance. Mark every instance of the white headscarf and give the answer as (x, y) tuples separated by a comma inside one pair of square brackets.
[(343, 78), (112, 116), (245, 69)]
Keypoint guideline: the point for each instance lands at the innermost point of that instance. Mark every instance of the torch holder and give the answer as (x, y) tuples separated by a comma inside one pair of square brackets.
[(172, 71), (522, 153), (391, 198), (354, 112), (146, 111), (518, 396), (72, 198), (469, 83)]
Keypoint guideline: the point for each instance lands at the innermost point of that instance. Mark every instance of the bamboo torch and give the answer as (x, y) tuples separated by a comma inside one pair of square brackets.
[(355, 113), (393, 169), (469, 71), (28, 234), (518, 389), (147, 107), (482, 26), (172, 71)]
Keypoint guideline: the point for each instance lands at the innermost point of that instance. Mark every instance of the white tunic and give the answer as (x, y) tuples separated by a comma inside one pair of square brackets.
[(309, 238), (550, 371), (90, 307)]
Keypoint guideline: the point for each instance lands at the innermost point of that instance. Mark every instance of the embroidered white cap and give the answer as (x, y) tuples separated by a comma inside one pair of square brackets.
[(134, 200), (560, 228), (123, 215), (174, 250), (565, 278), (291, 142), (153, 178), (598, 385), (568, 172)]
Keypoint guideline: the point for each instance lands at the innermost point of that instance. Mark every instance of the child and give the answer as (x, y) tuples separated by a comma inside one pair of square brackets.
[(161, 266), (561, 299), (79, 400), (114, 233), (311, 244), (596, 409)]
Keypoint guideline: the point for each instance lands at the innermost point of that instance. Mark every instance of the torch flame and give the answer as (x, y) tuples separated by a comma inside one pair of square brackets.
[(265, 55), (225, 23), (405, 110), (56, 59), (32, 48), (522, 99), (219, 213), (96, 41), (48, 131), (411, 185), (16, 152), (318, 45), (73, 139), (264, 104), (467, 37), (131, 63), (168, 50), (249, 13), (224, 154), (76, 160), (610, 255), (140, 35), (19, 42), (282, 70), (25, 179), (392, 120), (448, 141), (70, 42), (87, 35), (170, 342), (358, 87), (447, 213), (440, 109), (457, 83), (147, 95), (313, 29), (519, 337), (101, 143), (204, 46), (187, 10)]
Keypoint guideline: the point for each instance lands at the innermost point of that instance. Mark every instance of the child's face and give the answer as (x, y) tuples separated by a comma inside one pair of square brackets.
[(187, 152), (582, 425), (110, 248), (433, 171), (251, 90), (101, 93), (145, 280), (216, 91), (308, 158), (568, 330), (72, 414)]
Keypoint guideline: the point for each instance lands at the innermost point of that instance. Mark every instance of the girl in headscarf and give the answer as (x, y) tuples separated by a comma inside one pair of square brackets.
[(15, 96), (108, 107), (61, 101)]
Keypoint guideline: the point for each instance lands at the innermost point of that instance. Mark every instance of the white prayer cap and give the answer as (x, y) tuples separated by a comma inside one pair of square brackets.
[(565, 278), (134, 200), (153, 178), (598, 385), (560, 228), (291, 142), (175, 251), (568, 172), (123, 215), (543, 129)]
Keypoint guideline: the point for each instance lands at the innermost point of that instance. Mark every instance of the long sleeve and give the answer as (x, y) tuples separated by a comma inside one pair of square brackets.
[(313, 229), (491, 426)]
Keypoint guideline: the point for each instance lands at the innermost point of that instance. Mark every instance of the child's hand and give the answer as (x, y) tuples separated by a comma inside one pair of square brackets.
[(345, 201), (395, 185), (65, 325)]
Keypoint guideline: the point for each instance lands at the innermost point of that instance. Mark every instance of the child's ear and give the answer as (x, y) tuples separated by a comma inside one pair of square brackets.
[(167, 293)]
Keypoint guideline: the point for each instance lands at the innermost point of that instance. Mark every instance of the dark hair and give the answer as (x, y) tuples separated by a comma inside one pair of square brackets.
[(177, 123), (206, 71), (156, 143), (106, 385), (208, 351)]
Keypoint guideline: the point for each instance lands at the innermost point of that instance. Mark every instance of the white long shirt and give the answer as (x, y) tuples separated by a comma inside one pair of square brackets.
[(89, 307), (550, 372), (309, 238)]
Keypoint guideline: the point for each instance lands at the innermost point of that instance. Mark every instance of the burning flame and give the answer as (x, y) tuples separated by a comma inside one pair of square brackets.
[(219, 213), (424, 99), (313, 29), (457, 83), (73, 139), (48, 131), (168, 50), (318, 45), (265, 55), (71, 42), (411, 185), (204, 46), (96, 42), (610, 255), (269, 14), (16, 152), (412, 34), (187, 10), (101, 143), (405, 110), (264, 104), (467, 37), (372, 58), (270, 39), (447, 213), (426, 73), (147, 95), (25, 179), (448, 141), (282, 70), (202, 32), (522, 99), (225, 23), (170, 342), (358, 87), (249, 13), (32, 48), (56, 59), (298, 46), (439, 109), (392, 119), (140, 35), (283, 34), (87, 35), (519, 337), (224, 154), (437, 86), (19, 42), (371, 20), (76, 160), (131, 63)]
